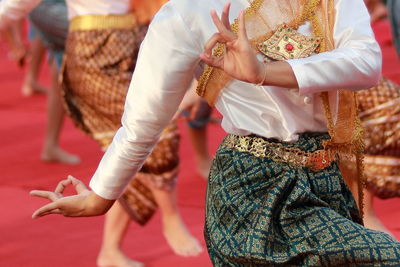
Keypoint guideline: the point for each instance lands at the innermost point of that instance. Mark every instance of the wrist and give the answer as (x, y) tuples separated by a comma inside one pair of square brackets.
[(261, 73), (96, 205)]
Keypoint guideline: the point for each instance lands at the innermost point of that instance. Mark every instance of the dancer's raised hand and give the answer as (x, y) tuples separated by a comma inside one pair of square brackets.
[(84, 203), (239, 59)]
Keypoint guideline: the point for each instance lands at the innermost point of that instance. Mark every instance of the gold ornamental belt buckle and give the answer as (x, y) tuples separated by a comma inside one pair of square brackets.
[(319, 160), (286, 43)]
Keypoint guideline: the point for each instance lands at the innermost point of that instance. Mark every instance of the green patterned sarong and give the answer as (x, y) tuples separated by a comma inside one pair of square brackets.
[(263, 213)]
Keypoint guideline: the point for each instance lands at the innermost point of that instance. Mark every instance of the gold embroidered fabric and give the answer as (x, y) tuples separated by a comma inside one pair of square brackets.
[(100, 22), (260, 147), (287, 43)]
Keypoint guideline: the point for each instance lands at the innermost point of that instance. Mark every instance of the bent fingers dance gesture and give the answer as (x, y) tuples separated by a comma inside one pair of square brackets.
[(240, 59), (84, 203)]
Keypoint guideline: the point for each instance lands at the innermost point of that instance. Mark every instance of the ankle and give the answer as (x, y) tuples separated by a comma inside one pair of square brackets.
[(172, 217), (50, 146)]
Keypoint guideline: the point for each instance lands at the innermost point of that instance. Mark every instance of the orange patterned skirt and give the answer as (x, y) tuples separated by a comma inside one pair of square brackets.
[(96, 74), (380, 116)]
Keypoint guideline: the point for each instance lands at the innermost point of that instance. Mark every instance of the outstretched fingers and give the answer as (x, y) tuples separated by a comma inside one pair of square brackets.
[(225, 16), (45, 194), (51, 208), (242, 33), (225, 31)]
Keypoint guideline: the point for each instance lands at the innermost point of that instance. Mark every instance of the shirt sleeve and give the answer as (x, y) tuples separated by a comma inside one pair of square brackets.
[(164, 70), (13, 10), (354, 64)]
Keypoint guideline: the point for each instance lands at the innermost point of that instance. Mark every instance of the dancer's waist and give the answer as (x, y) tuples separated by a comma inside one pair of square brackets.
[(293, 154)]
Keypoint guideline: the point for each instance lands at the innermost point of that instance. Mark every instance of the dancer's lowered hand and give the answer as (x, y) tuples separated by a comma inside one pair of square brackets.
[(84, 203)]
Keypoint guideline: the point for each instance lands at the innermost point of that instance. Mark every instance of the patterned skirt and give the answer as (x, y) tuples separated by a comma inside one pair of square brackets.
[(380, 116), (97, 71), (263, 213)]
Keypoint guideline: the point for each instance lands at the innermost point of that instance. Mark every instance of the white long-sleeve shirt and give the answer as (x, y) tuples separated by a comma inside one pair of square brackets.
[(12, 10), (165, 67)]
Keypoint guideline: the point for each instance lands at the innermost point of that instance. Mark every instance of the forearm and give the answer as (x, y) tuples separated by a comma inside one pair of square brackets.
[(278, 73)]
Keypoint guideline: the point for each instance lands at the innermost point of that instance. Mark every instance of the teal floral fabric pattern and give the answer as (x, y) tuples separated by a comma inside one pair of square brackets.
[(263, 213)]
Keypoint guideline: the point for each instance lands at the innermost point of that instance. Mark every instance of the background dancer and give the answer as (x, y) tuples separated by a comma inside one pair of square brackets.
[(52, 35)]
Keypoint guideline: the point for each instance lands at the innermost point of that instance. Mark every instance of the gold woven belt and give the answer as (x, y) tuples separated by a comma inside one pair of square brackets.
[(259, 147), (102, 22)]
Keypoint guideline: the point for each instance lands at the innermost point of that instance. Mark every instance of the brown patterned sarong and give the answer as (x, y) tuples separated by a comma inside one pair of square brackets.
[(380, 115), (97, 71)]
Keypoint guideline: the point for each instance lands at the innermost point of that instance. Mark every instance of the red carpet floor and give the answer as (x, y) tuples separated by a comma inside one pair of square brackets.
[(58, 242)]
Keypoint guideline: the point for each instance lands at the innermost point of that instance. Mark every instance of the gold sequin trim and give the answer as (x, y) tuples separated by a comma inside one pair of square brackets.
[(102, 22)]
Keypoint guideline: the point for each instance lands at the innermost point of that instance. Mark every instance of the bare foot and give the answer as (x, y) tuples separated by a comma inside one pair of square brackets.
[(60, 156), (29, 89), (372, 222), (179, 238), (115, 258), (203, 168), (18, 54)]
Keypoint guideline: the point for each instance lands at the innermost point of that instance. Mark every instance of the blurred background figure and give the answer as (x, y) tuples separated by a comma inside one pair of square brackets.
[(50, 24), (51, 29)]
